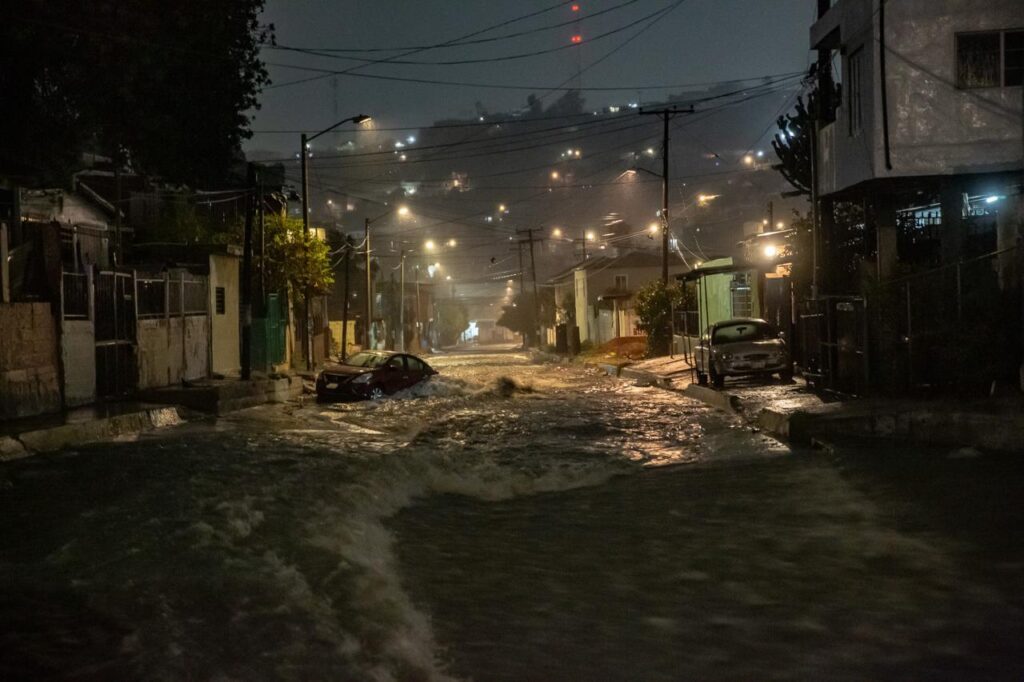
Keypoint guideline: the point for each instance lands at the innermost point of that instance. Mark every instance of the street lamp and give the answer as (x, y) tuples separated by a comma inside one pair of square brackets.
[(304, 157)]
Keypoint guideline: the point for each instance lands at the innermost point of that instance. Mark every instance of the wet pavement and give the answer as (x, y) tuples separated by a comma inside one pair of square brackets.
[(507, 521)]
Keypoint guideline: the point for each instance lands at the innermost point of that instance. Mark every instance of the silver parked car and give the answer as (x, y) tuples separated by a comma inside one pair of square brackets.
[(741, 347)]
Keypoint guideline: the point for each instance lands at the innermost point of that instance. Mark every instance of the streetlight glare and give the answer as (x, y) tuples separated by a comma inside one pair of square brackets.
[(403, 210), (452, 242), (429, 245), (771, 251), (554, 175), (654, 227), (502, 207), (590, 236), (557, 233)]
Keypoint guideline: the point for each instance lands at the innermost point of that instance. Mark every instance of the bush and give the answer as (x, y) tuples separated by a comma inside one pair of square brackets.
[(654, 303)]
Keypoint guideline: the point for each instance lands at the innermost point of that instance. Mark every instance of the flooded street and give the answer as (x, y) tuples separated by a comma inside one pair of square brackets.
[(507, 521)]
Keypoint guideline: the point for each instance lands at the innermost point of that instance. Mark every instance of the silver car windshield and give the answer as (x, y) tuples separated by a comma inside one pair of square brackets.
[(746, 331)]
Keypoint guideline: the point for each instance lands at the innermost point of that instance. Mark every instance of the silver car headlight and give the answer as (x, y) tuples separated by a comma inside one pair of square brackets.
[(363, 378)]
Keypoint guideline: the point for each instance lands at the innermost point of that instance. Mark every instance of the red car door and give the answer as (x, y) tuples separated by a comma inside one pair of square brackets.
[(394, 375)]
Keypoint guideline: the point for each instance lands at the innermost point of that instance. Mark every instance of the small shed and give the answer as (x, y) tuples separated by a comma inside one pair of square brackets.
[(718, 290)]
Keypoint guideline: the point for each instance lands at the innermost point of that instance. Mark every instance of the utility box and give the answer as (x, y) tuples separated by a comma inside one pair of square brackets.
[(574, 340), (562, 338)]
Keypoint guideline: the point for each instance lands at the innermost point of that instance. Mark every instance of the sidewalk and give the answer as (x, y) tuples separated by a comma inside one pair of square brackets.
[(155, 408), (25, 437)]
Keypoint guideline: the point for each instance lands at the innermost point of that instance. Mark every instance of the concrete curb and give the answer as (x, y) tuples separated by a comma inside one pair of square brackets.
[(720, 400), (644, 378), (94, 430)]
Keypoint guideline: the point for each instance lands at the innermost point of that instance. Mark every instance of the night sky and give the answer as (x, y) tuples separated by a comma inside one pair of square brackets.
[(697, 41)]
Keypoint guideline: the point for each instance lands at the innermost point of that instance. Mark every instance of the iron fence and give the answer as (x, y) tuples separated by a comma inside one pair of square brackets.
[(171, 296), (75, 296), (151, 297), (956, 326)]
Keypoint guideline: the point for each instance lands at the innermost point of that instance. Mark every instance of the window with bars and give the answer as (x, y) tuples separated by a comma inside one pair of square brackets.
[(220, 300), (855, 91), (742, 296), (990, 59)]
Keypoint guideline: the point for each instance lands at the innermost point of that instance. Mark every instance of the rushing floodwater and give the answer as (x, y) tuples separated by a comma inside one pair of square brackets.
[(506, 521)]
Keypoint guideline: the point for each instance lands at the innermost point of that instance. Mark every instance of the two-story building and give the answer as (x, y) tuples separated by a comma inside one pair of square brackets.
[(602, 291), (918, 176)]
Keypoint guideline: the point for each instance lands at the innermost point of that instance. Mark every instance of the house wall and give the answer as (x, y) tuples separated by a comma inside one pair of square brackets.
[(29, 378), (78, 355), (589, 285), (934, 127), (225, 329)]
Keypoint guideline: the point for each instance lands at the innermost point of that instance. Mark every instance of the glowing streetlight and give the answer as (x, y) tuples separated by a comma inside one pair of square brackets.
[(429, 245), (748, 159), (779, 225), (403, 211), (502, 208), (556, 233), (590, 236), (654, 228), (555, 175), (770, 251), (448, 277), (452, 242)]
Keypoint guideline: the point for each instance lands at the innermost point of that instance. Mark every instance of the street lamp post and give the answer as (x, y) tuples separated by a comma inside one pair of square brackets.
[(304, 158)]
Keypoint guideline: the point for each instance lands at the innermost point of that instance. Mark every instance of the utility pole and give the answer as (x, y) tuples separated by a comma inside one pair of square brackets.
[(368, 304), (666, 115), (533, 269), (250, 209), (401, 307), (307, 321), (344, 306)]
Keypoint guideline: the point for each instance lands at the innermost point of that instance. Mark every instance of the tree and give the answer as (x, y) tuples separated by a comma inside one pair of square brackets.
[(792, 144), (520, 316), (160, 86), (452, 320), (296, 259), (654, 303)]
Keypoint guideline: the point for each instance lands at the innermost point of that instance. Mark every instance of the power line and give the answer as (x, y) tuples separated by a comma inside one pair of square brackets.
[(439, 45), (502, 58), (459, 43)]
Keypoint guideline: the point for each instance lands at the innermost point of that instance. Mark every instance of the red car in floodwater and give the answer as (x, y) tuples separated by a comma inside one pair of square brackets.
[(371, 375)]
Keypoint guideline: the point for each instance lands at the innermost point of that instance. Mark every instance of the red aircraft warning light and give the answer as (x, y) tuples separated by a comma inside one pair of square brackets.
[(577, 38), (575, 8)]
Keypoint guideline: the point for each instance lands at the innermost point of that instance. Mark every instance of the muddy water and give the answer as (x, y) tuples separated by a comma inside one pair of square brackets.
[(507, 521)]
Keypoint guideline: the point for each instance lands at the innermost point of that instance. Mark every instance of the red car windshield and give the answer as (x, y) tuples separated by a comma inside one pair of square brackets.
[(365, 359)]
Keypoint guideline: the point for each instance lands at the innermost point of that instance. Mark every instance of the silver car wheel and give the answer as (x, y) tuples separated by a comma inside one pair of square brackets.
[(376, 393)]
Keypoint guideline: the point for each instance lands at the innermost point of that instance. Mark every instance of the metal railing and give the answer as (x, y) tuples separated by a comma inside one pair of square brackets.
[(958, 325), (171, 295), (75, 296)]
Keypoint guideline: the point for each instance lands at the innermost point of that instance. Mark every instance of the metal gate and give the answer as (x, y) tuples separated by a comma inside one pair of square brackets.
[(268, 337), (115, 334)]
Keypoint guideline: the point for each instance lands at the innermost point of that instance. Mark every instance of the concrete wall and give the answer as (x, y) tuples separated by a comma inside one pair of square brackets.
[(167, 353), (225, 330), (29, 379), (78, 355), (934, 127)]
